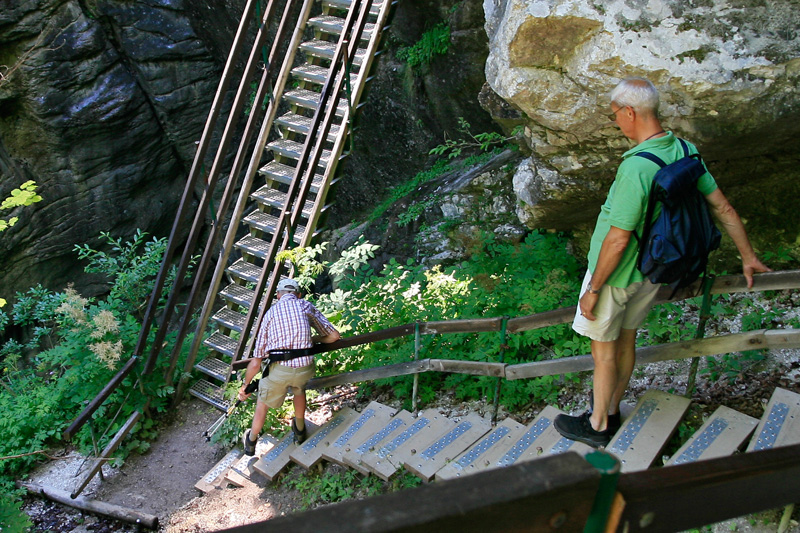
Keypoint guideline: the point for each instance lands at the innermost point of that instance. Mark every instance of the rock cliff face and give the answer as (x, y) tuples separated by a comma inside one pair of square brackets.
[(100, 103), (728, 75)]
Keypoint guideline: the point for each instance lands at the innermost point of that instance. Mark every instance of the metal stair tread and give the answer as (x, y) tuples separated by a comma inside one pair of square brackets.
[(221, 343), (335, 25), (294, 150), (327, 49), (213, 367), (253, 246), (268, 223), (268, 196), (245, 270), (301, 124), (285, 174), (310, 100), (345, 5), (238, 294), (230, 319), (209, 393)]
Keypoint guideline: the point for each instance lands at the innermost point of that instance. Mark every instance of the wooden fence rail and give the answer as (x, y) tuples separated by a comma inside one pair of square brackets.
[(556, 493)]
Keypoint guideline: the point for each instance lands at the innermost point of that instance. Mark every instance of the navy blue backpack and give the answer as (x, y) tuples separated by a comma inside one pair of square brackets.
[(674, 248)]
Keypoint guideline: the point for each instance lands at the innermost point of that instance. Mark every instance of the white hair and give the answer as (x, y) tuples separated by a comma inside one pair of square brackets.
[(638, 93)]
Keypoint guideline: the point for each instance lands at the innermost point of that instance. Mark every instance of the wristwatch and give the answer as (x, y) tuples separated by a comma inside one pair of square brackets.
[(590, 290)]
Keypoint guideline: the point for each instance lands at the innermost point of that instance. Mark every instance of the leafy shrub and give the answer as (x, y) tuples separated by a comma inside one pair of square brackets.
[(433, 42)]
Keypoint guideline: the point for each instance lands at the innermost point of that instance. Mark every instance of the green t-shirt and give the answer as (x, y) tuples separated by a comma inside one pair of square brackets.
[(626, 204)]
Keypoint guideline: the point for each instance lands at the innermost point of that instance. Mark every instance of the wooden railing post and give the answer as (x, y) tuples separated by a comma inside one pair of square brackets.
[(415, 388), (499, 381)]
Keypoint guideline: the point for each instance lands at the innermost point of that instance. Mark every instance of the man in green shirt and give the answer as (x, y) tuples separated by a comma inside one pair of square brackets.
[(615, 296)]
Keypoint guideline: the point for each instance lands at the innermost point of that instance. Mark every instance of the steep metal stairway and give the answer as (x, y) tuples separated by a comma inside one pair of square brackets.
[(284, 205), (381, 441)]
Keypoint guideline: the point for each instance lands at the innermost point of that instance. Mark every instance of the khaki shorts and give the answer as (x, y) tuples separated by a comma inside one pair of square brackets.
[(616, 309), (283, 379)]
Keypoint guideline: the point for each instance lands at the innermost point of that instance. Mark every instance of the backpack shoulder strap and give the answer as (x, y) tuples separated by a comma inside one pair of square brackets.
[(652, 157)]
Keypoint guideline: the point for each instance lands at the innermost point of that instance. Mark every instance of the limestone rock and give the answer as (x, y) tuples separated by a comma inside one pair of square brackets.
[(728, 77)]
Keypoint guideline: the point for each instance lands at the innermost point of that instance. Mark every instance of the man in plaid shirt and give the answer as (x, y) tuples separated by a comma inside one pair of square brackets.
[(285, 336)]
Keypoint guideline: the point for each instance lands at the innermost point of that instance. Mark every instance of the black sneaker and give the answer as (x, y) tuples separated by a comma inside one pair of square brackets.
[(249, 445), (299, 436), (579, 428), (614, 421)]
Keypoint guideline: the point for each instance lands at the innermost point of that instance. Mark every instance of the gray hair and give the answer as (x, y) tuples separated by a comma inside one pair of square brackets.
[(638, 93)]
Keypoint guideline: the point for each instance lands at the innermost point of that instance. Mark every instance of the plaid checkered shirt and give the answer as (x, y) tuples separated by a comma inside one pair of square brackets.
[(287, 325)]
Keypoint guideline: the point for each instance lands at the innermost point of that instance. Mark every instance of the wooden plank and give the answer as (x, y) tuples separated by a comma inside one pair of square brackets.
[(751, 340), (241, 472), (475, 368), (780, 424), (372, 418), (484, 452), (370, 374), (96, 464), (276, 458), (386, 460), (380, 435), (642, 436), (539, 435), (692, 495), (310, 452), (722, 434), (461, 326), (117, 512), (554, 494), (216, 475), (432, 458)]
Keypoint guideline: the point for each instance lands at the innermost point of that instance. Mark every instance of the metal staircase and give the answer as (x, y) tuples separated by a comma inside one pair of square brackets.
[(282, 203)]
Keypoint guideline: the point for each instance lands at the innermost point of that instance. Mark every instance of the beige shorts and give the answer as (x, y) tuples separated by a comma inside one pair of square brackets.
[(283, 379), (616, 309)]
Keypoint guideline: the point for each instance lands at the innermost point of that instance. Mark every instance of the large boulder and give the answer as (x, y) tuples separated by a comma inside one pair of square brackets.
[(728, 76)]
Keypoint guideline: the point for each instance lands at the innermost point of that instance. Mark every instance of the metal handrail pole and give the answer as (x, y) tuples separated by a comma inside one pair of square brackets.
[(211, 184), (264, 91), (252, 170), (194, 175)]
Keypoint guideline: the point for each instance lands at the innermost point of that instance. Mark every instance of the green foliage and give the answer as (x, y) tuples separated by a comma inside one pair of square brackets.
[(23, 196), (336, 486), (482, 141), (12, 519), (406, 188), (499, 279), (73, 346), (434, 42)]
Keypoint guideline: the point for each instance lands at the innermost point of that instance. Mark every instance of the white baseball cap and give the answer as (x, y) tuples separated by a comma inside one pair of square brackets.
[(288, 284)]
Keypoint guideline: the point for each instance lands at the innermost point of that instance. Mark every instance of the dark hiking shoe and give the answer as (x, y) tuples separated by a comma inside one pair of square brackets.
[(614, 421), (249, 445), (579, 428), (299, 436)]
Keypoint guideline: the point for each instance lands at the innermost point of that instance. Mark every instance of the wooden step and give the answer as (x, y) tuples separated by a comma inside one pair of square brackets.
[(210, 394), (310, 100), (275, 459), (302, 125), (335, 25), (310, 452), (245, 270), (433, 457), (370, 421), (241, 472), (214, 368), (274, 198), (221, 343), (389, 458), (644, 434), (238, 294), (780, 424), (539, 437), (484, 453), (285, 174), (393, 427), (216, 476), (230, 319), (268, 223), (327, 49), (294, 150), (721, 435)]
